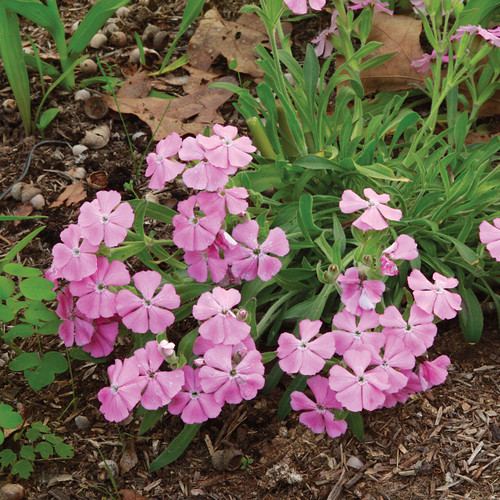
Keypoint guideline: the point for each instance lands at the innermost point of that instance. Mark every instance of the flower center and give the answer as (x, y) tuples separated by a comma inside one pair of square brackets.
[(151, 374), (320, 409), (408, 328), (100, 286), (361, 380), (438, 289), (227, 142), (357, 333), (303, 345), (147, 303), (194, 395), (373, 203), (385, 363), (159, 159), (104, 219), (76, 252), (256, 251), (233, 373), (194, 220), (114, 388)]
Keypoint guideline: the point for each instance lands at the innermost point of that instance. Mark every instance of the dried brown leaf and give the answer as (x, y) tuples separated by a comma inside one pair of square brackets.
[(136, 86), (192, 82), (128, 461), (72, 195), (233, 39), (131, 495), (189, 114), (22, 211)]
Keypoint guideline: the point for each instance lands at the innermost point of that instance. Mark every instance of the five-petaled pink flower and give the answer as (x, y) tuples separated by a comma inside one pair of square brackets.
[(200, 262), (424, 63), (376, 210), (489, 234), (300, 6), (152, 312), (433, 297), (434, 372), (304, 355), (224, 150), (361, 389), (318, 416), (252, 260), (124, 391), (404, 248), (378, 5), (106, 219), (102, 341), (160, 168)]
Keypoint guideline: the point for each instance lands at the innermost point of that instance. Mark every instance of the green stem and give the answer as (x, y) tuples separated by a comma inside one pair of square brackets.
[(266, 319)]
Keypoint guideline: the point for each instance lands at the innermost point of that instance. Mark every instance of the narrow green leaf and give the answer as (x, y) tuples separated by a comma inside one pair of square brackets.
[(150, 418), (355, 423), (298, 384), (47, 116), (471, 315)]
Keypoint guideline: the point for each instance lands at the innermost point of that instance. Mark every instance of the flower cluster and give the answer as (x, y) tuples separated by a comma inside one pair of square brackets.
[(377, 351)]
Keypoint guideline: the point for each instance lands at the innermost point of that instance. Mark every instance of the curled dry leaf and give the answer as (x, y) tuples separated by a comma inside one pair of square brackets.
[(235, 40), (399, 34), (138, 85), (72, 195), (21, 211), (189, 114), (192, 82), (97, 138), (128, 461), (131, 495)]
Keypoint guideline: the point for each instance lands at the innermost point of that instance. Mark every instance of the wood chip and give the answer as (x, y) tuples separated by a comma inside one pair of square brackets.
[(478, 448)]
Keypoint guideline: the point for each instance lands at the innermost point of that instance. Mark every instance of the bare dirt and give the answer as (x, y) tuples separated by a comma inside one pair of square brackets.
[(442, 444)]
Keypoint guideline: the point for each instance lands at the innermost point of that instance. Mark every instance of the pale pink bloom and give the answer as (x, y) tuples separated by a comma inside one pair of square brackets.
[(376, 210), (492, 36), (160, 168), (417, 333), (354, 332), (161, 386), (424, 63), (224, 150), (192, 403), (378, 5), (419, 5), (166, 349), (124, 391), (106, 219), (76, 327), (191, 150), (412, 386), (95, 299), (358, 294), (232, 198), (53, 274), (323, 45), (318, 416), (252, 260), (489, 234), (434, 372), (224, 241), (103, 338), (194, 231), (152, 312), (200, 262), (205, 176), (300, 6), (75, 257), (396, 356), (361, 389), (230, 377), (304, 355), (433, 297), (220, 323), (404, 248), (202, 345)]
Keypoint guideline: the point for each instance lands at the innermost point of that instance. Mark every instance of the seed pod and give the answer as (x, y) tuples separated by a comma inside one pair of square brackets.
[(17, 190), (82, 95), (88, 67), (122, 12), (37, 202), (29, 192), (229, 459), (118, 39), (9, 105), (149, 32), (98, 41), (78, 149)]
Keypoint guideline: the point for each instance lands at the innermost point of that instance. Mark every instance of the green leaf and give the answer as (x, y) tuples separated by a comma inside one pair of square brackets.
[(22, 271), (155, 211), (27, 452), (7, 457), (379, 171), (471, 315), (23, 469), (24, 361), (44, 449), (376, 61), (44, 374), (47, 116), (7, 287), (6, 315), (37, 289), (150, 418), (268, 356), (355, 423), (9, 419), (36, 430), (19, 246), (18, 331), (64, 450), (298, 384), (176, 447)]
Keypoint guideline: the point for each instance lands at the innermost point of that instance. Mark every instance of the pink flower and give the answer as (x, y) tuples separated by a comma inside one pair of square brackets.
[(95, 298), (53, 274), (304, 355), (433, 373), (424, 63), (252, 260), (376, 209), (232, 378), (361, 389), (194, 231), (404, 248), (103, 338), (205, 176), (151, 312), (318, 415), (224, 150), (417, 333), (200, 262), (358, 294), (323, 45), (300, 6), (412, 386), (202, 345), (434, 298), (232, 198), (492, 36), (221, 326), (161, 386), (74, 258), (352, 334), (191, 150), (160, 168), (76, 327), (106, 219), (378, 5), (191, 403), (489, 234), (124, 391)]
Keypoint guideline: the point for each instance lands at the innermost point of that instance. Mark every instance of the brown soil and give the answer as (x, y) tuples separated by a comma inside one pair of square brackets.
[(442, 444)]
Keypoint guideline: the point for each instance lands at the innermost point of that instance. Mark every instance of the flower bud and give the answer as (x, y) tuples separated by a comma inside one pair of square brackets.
[(242, 314), (199, 362), (166, 348)]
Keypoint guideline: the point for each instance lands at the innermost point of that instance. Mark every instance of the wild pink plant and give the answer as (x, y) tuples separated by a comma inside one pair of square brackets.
[(300, 6), (232, 199), (103, 337), (160, 168), (404, 248), (200, 262), (489, 234)]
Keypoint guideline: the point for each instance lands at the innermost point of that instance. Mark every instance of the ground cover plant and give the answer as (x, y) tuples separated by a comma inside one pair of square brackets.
[(307, 245)]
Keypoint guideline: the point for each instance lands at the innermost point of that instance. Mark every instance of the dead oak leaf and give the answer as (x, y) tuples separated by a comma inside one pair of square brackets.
[(21, 211), (189, 114), (399, 34), (192, 82), (72, 195), (138, 85), (235, 40)]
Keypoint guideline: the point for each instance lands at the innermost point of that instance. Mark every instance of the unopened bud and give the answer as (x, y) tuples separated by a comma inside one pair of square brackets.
[(242, 314), (199, 362), (166, 348)]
